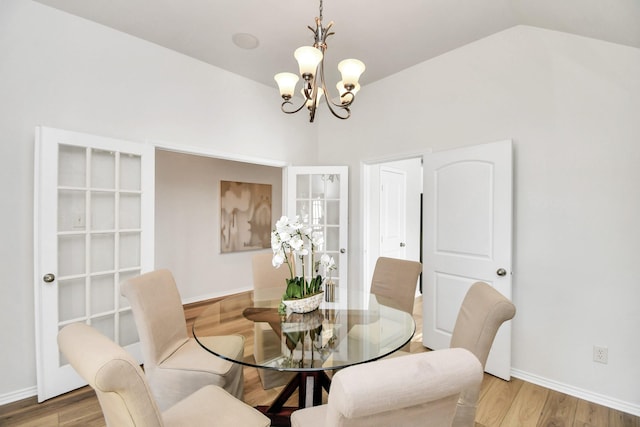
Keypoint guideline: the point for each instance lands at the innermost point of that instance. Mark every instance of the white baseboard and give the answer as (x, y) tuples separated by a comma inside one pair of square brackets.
[(14, 396), (620, 405)]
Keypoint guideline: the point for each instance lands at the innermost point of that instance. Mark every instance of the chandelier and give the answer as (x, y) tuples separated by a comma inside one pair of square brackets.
[(311, 64)]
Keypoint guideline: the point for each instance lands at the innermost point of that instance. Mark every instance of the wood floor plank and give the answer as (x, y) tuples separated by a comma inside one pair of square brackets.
[(526, 409), (621, 419), (496, 398), (559, 410), (590, 414)]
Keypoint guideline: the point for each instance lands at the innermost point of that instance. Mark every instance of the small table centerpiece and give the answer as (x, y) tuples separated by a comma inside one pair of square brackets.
[(291, 239)]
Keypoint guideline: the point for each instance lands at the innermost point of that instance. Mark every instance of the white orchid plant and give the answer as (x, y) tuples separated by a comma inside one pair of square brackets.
[(293, 240)]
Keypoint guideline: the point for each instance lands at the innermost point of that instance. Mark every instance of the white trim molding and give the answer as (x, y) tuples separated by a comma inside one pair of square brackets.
[(14, 396), (600, 399)]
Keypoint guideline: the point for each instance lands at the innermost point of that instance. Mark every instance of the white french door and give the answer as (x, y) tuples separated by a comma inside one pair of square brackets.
[(467, 238), (319, 195), (93, 228)]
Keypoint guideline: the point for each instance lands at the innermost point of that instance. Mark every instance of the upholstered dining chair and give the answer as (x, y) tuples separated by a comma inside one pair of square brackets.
[(125, 396), (266, 342), (394, 284), (175, 364), (481, 314), (421, 389)]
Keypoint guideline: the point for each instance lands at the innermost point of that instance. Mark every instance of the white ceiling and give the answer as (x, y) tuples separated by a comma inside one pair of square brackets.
[(387, 36)]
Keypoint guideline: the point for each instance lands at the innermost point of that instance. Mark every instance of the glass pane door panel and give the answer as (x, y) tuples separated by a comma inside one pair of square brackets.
[(71, 299), (317, 212), (71, 255), (332, 186), (72, 166), (103, 206), (332, 239), (71, 210), (303, 210), (317, 187), (102, 252), (333, 212), (105, 324), (102, 293), (129, 250), (103, 167), (130, 211), (302, 187), (127, 328), (130, 176)]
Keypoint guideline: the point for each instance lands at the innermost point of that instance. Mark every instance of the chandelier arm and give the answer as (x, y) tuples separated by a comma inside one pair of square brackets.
[(327, 97), (291, 103)]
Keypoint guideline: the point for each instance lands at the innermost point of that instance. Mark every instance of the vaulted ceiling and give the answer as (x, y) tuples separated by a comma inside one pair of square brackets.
[(388, 36)]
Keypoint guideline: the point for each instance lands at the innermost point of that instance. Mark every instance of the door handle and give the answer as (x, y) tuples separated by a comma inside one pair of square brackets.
[(403, 244), (49, 277), (501, 272)]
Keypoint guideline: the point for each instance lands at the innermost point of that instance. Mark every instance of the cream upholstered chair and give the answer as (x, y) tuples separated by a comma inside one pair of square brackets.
[(394, 284), (267, 344), (416, 390), (124, 394), (175, 364), (481, 314)]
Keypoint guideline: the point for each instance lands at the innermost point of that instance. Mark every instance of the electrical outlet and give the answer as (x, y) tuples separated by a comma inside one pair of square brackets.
[(600, 354)]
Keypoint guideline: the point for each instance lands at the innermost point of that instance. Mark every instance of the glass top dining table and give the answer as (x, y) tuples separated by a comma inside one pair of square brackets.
[(332, 337)]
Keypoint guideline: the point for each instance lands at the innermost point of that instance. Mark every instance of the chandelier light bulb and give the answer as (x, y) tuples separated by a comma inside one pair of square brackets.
[(287, 84), (351, 70), (308, 58)]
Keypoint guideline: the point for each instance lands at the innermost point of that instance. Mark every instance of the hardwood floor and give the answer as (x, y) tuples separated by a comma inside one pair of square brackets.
[(502, 404)]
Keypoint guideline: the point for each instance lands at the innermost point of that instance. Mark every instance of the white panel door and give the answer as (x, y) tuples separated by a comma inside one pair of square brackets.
[(467, 238), (319, 195), (93, 228), (393, 206)]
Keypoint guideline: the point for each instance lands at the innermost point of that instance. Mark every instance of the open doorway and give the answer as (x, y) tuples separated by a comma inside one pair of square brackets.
[(392, 212)]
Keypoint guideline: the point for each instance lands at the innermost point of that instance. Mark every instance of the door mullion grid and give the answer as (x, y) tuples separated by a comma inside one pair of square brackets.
[(87, 236), (116, 260)]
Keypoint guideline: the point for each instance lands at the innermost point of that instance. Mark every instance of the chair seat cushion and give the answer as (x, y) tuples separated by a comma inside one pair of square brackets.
[(192, 357), (211, 405)]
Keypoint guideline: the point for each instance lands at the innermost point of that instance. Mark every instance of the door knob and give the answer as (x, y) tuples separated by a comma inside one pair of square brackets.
[(501, 272), (343, 250), (49, 277)]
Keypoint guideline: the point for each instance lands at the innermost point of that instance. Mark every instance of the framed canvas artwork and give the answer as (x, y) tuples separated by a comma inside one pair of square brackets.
[(245, 216)]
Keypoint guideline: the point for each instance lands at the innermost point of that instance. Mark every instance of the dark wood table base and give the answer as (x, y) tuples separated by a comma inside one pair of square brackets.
[(279, 414)]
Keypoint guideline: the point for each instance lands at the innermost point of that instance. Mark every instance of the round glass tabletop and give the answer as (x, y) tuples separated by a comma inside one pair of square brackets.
[(331, 337)]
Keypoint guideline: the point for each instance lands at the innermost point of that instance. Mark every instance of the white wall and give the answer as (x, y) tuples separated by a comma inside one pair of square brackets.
[(62, 71), (572, 107), (188, 222)]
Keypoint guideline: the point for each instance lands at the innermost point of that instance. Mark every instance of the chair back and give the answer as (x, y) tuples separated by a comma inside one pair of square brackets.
[(158, 313), (265, 275), (394, 282), (420, 389), (482, 312), (119, 383)]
